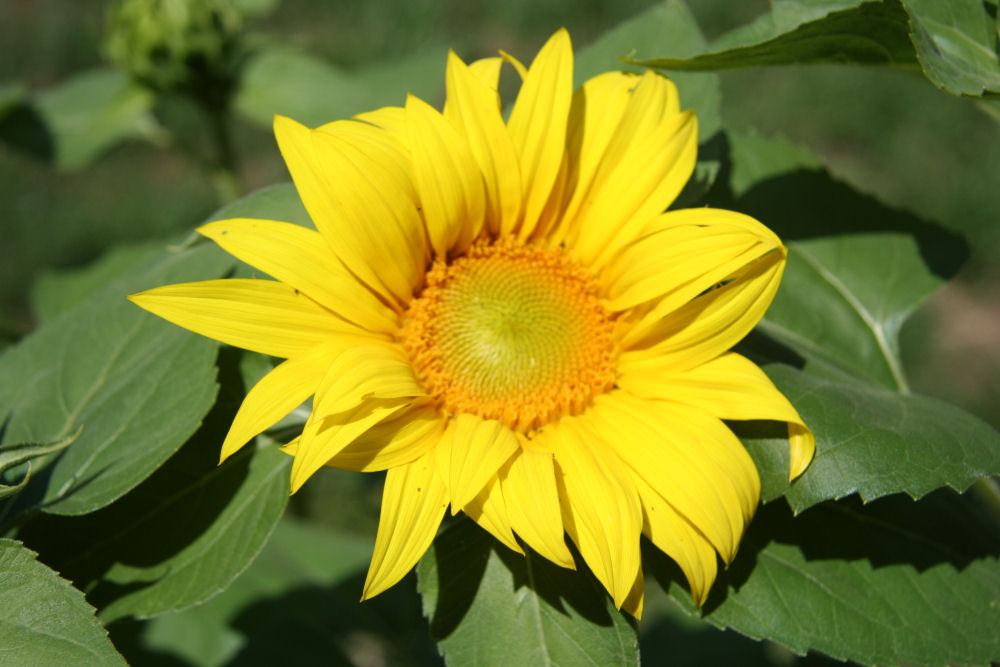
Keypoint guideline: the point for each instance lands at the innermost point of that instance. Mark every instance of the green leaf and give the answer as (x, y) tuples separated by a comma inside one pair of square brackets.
[(44, 620), (14, 455), (282, 81), (185, 533), (669, 22), (957, 44), (473, 588), (887, 583), (871, 441), (297, 603), (856, 268), (74, 122), (806, 31), (124, 375), (12, 95), (274, 202)]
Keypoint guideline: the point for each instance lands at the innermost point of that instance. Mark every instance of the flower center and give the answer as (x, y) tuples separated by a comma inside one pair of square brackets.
[(513, 332)]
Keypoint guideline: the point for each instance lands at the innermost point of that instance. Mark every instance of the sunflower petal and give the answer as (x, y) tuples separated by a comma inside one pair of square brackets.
[(674, 535), (472, 109), (489, 511), (325, 437), (260, 315), (363, 371), (480, 447), (538, 122), (532, 499), (633, 604), (279, 392), (682, 254), (487, 70), (711, 323), (413, 503), (413, 433), (299, 257), (695, 463), (729, 387), (356, 185), (601, 509)]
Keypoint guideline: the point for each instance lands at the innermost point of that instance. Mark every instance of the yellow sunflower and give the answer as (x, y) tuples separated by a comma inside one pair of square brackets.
[(502, 317)]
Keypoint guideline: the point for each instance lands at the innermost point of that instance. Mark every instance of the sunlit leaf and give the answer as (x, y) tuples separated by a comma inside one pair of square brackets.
[(44, 620), (475, 591), (887, 583), (957, 44), (871, 441), (800, 32)]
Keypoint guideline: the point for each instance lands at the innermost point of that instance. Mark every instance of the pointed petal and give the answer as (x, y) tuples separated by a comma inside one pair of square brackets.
[(538, 123), (356, 185), (279, 392), (299, 257), (639, 171), (601, 509), (634, 602), (413, 504), (260, 315), (393, 442), (487, 70), (532, 498), (691, 459), (674, 535), (709, 324), (681, 254), (448, 179), (325, 437), (489, 511), (362, 371), (729, 387), (479, 448), (472, 109)]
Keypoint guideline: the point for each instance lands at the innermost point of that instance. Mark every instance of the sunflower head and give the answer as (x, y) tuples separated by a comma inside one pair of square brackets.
[(501, 315)]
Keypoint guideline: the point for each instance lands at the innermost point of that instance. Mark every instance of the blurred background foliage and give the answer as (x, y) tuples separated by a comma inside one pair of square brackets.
[(888, 133)]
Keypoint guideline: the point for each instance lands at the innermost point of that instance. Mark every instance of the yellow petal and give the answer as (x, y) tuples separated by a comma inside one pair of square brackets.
[(479, 448), (595, 111), (393, 442), (448, 179), (279, 392), (362, 371), (601, 509), (472, 110), (325, 437), (634, 602), (712, 322), (356, 185), (729, 387), (532, 500), (391, 119), (522, 71), (299, 257), (682, 254), (691, 459), (487, 70), (489, 511), (674, 535), (260, 315), (538, 122), (413, 504)]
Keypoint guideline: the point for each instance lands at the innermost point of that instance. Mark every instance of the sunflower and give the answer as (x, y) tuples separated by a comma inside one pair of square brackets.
[(500, 315)]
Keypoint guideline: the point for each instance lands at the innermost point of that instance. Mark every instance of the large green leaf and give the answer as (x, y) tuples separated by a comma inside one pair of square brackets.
[(298, 603), (957, 44), (137, 385), (887, 583), (475, 589), (80, 118), (804, 31), (44, 620), (669, 22), (186, 532), (282, 81), (871, 441)]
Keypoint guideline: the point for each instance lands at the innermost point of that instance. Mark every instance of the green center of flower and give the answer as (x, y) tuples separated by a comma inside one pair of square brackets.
[(512, 332)]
